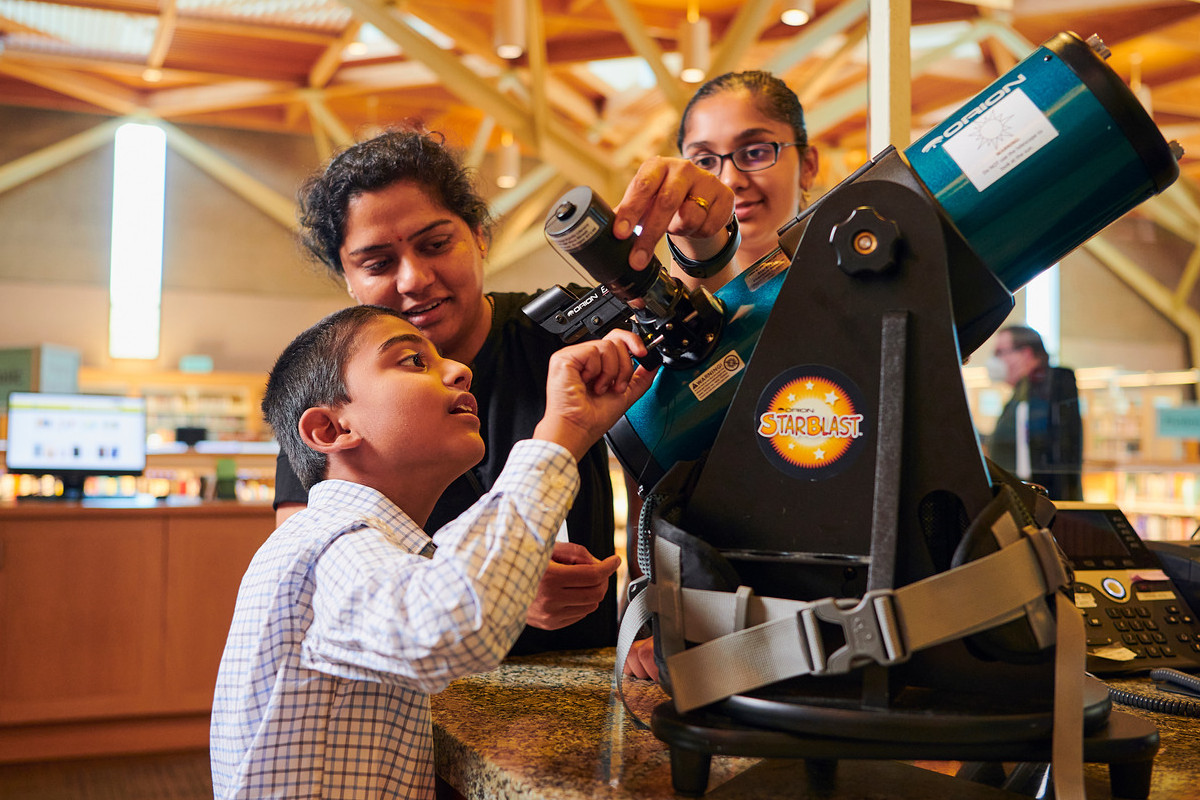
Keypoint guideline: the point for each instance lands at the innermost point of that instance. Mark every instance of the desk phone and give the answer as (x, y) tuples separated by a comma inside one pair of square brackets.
[(1136, 617)]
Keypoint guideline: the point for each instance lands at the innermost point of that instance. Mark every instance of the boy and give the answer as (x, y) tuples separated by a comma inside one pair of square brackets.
[(349, 616)]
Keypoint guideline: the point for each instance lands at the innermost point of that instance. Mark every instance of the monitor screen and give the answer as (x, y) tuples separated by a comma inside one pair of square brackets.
[(75, 434)]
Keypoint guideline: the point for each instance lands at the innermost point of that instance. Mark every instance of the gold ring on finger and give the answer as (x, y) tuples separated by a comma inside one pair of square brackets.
[(700, 201)]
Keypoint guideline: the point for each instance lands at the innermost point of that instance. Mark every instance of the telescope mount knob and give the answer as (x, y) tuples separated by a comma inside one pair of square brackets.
[(865, 242)]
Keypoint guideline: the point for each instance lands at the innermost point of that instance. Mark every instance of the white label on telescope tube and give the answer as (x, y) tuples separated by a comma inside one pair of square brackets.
[(581, 235), (995, 143), (715, 376)]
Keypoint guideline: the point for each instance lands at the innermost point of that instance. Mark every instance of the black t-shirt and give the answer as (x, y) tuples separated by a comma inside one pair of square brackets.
[(509, 383)]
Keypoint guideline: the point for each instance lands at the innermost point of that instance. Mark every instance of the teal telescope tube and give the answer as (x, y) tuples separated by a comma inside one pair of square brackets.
[(1042, 159)]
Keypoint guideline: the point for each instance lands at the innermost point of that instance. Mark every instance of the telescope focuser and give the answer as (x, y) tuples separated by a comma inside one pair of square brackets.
[(682, 327)]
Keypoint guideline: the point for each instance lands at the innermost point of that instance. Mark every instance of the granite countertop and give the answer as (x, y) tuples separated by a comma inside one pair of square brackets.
[(550, 726)]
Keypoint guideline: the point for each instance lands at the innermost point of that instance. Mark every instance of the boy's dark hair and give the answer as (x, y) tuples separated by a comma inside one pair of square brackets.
[(772, 96), (310, 373), (377, 163)]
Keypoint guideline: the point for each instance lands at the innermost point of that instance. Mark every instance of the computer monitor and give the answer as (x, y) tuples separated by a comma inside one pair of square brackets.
[(74, 436)]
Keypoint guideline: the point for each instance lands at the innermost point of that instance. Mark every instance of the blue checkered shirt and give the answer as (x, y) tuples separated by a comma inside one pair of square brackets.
[(348, 618)]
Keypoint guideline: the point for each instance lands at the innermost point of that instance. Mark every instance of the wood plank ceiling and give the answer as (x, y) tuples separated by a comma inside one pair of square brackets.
[(339, 70)]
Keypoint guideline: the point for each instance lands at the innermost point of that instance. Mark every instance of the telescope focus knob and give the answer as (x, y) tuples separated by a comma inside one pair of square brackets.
[(865, 242)]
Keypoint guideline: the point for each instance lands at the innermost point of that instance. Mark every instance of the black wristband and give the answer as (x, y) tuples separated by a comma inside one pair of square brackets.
[(710, 266)]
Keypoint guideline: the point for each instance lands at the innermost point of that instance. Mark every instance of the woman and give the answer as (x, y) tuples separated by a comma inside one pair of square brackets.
[(747, 128), (397, 219)]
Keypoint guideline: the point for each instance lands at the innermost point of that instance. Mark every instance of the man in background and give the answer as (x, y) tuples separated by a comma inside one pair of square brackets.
[(1039, 435)]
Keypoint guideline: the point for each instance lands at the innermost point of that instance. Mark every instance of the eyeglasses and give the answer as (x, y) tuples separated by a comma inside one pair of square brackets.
[(750, 158)]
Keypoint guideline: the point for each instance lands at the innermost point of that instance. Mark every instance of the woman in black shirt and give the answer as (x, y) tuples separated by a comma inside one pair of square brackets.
[(398, 219)]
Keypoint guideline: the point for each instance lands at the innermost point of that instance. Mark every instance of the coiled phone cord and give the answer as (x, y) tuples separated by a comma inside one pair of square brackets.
[(1183, 707)]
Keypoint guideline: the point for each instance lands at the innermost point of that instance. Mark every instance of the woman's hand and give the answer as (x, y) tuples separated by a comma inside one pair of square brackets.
[(673, 195), (572, 587)]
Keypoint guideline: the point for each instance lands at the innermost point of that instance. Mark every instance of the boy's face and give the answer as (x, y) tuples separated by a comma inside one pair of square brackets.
[(410, 406)]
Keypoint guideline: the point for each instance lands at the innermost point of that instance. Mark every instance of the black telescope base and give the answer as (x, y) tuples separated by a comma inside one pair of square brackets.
[(1125, 742)]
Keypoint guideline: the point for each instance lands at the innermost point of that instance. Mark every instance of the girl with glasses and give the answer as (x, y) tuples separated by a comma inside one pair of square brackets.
[(747, 128)]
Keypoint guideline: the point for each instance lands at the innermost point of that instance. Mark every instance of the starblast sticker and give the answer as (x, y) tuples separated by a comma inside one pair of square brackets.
[(810, 422)]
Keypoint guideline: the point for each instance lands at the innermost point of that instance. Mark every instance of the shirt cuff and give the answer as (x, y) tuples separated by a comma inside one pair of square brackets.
[(543, 471)]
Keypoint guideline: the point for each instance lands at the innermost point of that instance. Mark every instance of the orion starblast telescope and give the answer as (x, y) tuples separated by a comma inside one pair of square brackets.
[(819, 469), (679, 327)]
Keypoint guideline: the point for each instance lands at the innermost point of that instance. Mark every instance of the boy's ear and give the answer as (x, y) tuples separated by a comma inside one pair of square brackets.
[(321, 429)]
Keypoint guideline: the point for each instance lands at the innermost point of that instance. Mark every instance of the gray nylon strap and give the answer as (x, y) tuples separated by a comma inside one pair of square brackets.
[(637, 614), (986, 592), (1070, 659), (972, 598), (736, 663)]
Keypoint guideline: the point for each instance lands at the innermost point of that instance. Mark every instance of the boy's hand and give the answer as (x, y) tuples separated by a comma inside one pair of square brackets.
[(572, 587), (590, 385)]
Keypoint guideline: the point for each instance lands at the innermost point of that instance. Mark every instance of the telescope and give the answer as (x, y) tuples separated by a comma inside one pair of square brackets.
[(810, 440)]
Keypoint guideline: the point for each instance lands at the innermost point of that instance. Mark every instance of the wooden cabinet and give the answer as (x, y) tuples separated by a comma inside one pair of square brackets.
[(80, 613), (112, 622), (205, 560)]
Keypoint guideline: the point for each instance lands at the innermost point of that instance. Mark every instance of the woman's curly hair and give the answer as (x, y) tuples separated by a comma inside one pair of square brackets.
[(396, 155)]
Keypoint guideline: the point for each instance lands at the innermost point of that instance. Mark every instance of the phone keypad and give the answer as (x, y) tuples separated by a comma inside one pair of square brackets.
[(1135, 625)]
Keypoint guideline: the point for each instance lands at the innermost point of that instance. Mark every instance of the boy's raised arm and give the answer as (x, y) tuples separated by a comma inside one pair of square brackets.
[(590, 385)]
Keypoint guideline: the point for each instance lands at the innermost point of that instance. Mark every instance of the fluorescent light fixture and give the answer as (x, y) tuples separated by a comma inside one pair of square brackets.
[(509, 28), (135, 270), (797, 13), (694, 36)]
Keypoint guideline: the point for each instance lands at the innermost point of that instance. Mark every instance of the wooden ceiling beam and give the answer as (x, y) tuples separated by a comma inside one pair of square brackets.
[(163, 34), (478, 149), (325, 119), (816, 33), (220, 97), (251, 30), (740, 36), (829, 69), (33, 165), (582, 164), (278, 207), (379, 77), (119, 69), (81, 87), (648, 50), (1145, 286), (325, 67)]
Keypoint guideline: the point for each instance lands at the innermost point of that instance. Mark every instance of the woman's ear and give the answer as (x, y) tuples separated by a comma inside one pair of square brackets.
[(350, 291), (322, 429), (809, 166)]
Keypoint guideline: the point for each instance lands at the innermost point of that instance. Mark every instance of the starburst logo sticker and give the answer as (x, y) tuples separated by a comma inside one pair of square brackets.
[(992, 130), (810, 422)]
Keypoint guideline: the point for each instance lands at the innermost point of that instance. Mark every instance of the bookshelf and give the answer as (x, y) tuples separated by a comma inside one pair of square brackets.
[(1154, 479)]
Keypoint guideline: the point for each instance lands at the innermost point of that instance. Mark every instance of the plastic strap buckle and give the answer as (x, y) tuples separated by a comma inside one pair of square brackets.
[(636, 587), (869, 627)]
